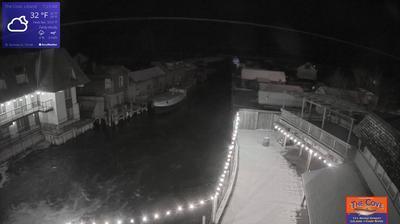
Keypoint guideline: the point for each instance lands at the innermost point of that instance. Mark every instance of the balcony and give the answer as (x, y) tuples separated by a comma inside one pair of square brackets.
[(41, 106)]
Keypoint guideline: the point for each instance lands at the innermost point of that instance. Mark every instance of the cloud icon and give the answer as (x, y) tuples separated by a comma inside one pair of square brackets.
[(18, 24)]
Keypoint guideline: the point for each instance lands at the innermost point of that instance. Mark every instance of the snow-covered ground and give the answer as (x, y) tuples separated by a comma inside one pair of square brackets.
[(268, 189)]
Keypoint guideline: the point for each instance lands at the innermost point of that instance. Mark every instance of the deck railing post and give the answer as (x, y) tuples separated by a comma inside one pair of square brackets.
[(300, 151), (284, 142), (214, 209), (350, 130), (309, 161), (323, 118)]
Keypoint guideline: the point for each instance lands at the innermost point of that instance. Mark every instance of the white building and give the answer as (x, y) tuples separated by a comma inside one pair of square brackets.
[(38, 92), (262, 75), (275, 95)]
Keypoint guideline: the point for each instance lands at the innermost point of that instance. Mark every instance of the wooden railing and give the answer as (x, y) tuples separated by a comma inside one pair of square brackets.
[(24, 110), (366, 161), (334, 143), (220, 203)]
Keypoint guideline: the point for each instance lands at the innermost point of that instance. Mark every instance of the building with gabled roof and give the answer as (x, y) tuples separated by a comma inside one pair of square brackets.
[(38, 92), (144, 83), (107, 90)]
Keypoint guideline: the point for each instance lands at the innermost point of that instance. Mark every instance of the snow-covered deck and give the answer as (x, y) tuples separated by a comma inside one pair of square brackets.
[(268, 189)]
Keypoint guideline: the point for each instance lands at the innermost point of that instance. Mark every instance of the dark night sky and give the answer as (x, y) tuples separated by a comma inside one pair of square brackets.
[(370, 23), (374, 24)]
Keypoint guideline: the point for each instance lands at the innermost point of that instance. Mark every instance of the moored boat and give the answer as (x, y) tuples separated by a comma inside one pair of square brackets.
[(169, 100)]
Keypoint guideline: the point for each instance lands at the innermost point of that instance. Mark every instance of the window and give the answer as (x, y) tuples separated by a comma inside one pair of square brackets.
[(35, 100), (70, 113), (67, 93), (3, 84), (20, 105), (2, 108), (20, 74), (107, 84), (68, 98), (21, 78), (117, 100), (23, 124), (4, 132), (121, 81)]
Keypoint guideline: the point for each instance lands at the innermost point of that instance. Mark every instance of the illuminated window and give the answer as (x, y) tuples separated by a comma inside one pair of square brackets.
[(20, 105), (2, 108), (35, 100)]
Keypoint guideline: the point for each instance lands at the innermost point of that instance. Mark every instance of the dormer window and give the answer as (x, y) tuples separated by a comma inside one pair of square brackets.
[(20, 75), (21, 78), (3, 84)]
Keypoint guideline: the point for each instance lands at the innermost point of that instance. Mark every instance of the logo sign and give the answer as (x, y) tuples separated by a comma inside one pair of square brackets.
[(31, 24), (362, 210)]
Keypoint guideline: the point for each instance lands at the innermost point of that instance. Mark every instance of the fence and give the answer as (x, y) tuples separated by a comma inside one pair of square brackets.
[(249, 119), (378, 180), (220, 202), (257, 119), (332, 142)]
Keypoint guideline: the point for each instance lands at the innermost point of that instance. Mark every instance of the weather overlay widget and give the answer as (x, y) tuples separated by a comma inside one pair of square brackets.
[(31, 24)]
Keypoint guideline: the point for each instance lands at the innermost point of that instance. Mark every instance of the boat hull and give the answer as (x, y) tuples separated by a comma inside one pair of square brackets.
[(166, 103), (166, 109)]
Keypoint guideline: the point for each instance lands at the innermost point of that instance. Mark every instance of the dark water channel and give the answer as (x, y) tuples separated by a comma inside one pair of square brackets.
[(150, 163)]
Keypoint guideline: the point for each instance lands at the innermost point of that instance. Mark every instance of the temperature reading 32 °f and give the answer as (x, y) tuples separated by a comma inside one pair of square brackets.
[(35, 15), (30, 24)]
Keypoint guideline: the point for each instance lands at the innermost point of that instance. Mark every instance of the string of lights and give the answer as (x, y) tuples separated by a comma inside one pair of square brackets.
[(180, 209), (303, 145)]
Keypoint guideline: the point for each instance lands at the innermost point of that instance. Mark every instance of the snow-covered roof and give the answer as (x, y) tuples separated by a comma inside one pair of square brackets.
[(48, 70), (326, 190), (263, 75), (279, 88), (146, 74)]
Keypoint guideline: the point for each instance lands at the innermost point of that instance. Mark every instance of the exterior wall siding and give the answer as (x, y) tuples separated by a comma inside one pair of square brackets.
[(60, 107)]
